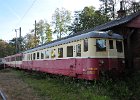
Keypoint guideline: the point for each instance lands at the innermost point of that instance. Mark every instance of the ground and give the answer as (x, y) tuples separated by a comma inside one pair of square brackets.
[(15, 88)]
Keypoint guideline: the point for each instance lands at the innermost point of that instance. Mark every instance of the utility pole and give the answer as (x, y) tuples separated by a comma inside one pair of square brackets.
[(18, 41), (35, 34)]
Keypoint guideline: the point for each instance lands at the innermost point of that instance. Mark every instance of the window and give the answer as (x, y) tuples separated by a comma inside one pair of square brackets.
[(18, 58), (100, 45), (119, 46), (37, 55), (47, 54), (34, 56), (42, 55), (31, 57), (69, 51), (21, 57), (28, 56), (60, 52), (78, 50), (53, 53), (13, 59), (111, 44), (85, 45)]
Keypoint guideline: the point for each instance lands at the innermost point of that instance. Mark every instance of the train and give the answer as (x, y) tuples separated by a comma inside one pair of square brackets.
[(2, 61), (83, 56)]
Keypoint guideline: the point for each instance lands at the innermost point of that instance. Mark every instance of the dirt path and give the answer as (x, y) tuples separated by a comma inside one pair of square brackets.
[(14, 88)]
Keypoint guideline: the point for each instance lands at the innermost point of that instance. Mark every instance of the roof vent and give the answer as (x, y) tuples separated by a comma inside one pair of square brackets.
[(110, 32)]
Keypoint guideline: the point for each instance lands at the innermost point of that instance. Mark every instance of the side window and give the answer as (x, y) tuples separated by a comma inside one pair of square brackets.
[(100, 45), (119, 46), (28, 57), (31, 57), (60, 52), (42, 54), (69, 51), (85, 45), (111, 44), (53, 53), (78, 50), (46, 54), (37, 55), (34, 54), (24, 57)]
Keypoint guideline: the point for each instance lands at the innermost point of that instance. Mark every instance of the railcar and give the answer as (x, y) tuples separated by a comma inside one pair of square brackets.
[(2, 61), (14, 61), (81, 56)]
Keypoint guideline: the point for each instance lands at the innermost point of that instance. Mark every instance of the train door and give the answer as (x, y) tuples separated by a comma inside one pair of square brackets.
[(73, 67), (112, 55), (119, 47), (30, 62)]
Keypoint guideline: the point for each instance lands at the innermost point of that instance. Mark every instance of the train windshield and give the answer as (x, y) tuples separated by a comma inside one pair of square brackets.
[(100, 45)]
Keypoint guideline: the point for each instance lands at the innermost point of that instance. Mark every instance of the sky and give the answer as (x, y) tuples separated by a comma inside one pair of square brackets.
[(23, 13)]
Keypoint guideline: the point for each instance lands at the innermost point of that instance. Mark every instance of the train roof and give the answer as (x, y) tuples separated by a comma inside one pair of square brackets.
[(76, 37), (19, 54)]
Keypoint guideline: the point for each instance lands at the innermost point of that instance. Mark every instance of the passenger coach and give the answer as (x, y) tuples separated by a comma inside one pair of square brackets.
[(81, 56)]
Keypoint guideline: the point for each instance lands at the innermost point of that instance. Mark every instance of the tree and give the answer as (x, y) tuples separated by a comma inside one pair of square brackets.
[(76, 26), (48, 32), (107, 8), (131, 6), (61, 21), (87, 18), (43, 32), (29, 41), (3, 45), (6, 48), (40, 31), (17, 44)]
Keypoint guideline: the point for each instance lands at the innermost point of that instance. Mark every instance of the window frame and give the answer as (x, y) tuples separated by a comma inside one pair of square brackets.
[(85, 42), (47, 54), (119, 48), (100, 49), (111, 44), (60, 52), (78, 50), (71, 49)]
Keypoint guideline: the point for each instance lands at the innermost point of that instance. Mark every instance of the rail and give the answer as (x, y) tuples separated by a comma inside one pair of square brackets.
[(2, 95)]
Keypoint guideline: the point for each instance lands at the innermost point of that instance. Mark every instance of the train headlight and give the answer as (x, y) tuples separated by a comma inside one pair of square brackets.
[(123, 61), (101, 61)]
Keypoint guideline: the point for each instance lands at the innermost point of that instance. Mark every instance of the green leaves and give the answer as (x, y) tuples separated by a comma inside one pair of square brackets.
[(61, 21), (87, 18)]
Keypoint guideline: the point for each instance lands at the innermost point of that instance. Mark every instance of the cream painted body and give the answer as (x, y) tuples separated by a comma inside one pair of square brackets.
[(91, 53)]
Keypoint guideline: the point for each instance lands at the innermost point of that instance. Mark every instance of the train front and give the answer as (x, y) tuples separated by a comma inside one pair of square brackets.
[(107, 55)]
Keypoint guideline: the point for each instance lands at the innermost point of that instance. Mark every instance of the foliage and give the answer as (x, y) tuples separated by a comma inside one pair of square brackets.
[(61, 21), (87, 18), (107, 8), (67, 88), (48, 32), (131, 6), (43, 35), (29, 41), (17, 44), (6, 48), (43, 32)]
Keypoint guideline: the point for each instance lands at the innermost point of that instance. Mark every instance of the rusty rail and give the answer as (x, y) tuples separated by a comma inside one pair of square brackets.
[(2, 95)]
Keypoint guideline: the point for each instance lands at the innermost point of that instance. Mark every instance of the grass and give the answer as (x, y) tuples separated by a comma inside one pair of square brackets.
[(65, 88)]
